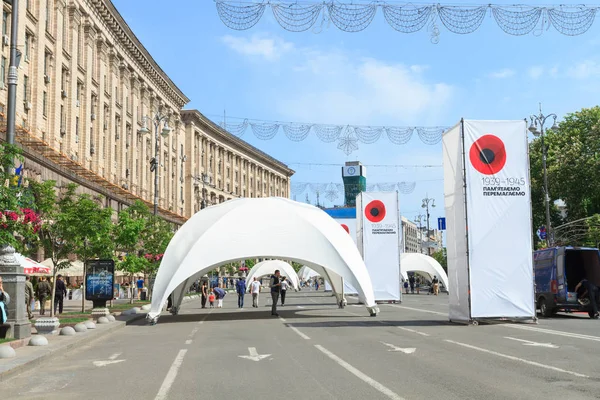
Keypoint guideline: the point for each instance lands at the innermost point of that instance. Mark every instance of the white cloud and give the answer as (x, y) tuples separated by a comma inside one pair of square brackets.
[(584, 70), (502, 74), (536, 72), (269, 48)]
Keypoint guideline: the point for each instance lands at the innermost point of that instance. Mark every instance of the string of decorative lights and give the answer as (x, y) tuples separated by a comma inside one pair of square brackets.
[(347, 136), (406, 166), (333, 191), (516, 19)]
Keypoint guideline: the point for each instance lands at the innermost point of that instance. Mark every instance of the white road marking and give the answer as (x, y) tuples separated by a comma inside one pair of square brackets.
[(171, 375), (189, 341), (105, 363), (417, 309), (553, 332), (407, 350), (413, 331), (365, 378), (513, 358), (114, 356), (283, 319), (300, 306), (530, 343), (302, 335), (193, 332), (254, 356)]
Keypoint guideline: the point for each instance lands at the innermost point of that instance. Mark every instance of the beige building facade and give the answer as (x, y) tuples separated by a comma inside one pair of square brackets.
[(86, 88)]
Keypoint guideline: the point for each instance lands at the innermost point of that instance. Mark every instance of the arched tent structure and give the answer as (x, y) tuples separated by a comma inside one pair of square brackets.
[(246, 228), (268, 267), (416, 262), (306, 273)]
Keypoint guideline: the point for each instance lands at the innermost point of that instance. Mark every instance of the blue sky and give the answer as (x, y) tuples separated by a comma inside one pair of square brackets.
[(374, 77)]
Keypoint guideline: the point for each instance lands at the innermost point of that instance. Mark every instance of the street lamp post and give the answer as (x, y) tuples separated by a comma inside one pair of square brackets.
[(155, 162), (533, 128), (427, 201)]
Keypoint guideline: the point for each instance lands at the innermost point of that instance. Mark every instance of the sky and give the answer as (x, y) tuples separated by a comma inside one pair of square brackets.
[(375, 77)]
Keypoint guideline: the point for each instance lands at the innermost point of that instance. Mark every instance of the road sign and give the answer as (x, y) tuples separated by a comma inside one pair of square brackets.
[(441, 224)]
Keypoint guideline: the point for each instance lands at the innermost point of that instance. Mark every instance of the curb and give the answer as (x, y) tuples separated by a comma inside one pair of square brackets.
[(18, 365)]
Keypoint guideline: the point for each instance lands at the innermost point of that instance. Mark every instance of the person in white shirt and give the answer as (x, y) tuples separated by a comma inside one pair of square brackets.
[(255, 290), (284, 287)]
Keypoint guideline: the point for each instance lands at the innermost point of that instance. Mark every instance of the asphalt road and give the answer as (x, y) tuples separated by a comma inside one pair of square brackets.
[(410, 351)]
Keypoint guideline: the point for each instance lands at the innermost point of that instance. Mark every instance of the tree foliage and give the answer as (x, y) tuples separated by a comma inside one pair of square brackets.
[(442, 257)]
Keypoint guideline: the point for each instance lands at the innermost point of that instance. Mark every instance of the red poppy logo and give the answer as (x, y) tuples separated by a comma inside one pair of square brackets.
[(488, 155), (346, 228), (375, 211)]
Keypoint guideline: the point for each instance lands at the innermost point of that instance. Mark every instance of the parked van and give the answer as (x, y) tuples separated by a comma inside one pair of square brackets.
[(557, 271)]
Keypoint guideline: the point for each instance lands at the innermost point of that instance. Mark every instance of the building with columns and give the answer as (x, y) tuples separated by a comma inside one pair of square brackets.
[(87, 86)]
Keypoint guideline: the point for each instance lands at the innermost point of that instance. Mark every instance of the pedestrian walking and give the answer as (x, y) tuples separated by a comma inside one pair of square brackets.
[(240, 288), (4, 301), (43, 291), (275, 286), (255, 290), (418, 285), (29, 296), (59, 295), (406, 287), (411, 282), (436, 285), (140, 287), (204, 293), (284, 287)]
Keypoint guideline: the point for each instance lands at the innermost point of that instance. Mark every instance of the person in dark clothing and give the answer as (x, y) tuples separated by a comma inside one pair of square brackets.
[(59, 296), (240, 288), (204, 293), (587, 289), (43, 291), (275, 286), (169, 301), (411, 281)]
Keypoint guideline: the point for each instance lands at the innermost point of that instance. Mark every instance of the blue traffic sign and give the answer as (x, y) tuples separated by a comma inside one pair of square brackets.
[(441, 224)]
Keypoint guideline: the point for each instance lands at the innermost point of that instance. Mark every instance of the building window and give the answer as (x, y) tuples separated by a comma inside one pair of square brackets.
[(48, 8), (3, 70), (25, 88), (45, 104), (27, 46), (65, 30), (76, 129), (4, 23), (62, 117), (103, 147), (46, 64)]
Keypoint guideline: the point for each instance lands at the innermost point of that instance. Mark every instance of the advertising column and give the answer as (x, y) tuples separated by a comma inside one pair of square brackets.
[(499, 219), (380, 226)]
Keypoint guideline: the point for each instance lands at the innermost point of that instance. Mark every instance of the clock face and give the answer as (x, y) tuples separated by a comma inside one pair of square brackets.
[(351, 171)]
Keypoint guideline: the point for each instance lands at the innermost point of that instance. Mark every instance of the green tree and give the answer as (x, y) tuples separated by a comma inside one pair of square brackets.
[(53, 236), (441, 257), (155, 238), (296, 266), (128, 238), (88, 227)]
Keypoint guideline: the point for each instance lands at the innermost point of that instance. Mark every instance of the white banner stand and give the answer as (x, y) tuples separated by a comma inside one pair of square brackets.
[(487, 189)]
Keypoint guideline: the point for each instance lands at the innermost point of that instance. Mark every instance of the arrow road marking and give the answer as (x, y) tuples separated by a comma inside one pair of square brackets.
[(105, 363), (530, 343), (254, 356), (111, 360), (408, 350)]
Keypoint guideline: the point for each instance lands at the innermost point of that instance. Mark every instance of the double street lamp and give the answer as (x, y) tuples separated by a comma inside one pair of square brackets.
[(540, 121), (158, 119), (427, 202)]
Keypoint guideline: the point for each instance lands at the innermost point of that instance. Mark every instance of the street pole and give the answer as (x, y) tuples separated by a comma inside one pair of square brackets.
[(426, 202), (13, 75), (156, 165), (533, 128)]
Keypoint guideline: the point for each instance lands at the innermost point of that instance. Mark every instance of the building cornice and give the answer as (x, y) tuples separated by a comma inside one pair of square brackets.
[(199, 120), (121, 31)]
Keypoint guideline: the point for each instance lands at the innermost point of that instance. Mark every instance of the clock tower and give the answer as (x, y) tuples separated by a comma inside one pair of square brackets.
[(355, 181)]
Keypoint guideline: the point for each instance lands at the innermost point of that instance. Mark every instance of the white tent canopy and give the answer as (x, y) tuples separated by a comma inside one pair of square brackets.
[(306, 273), (416, 262), (253, 228), (268, 267)]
